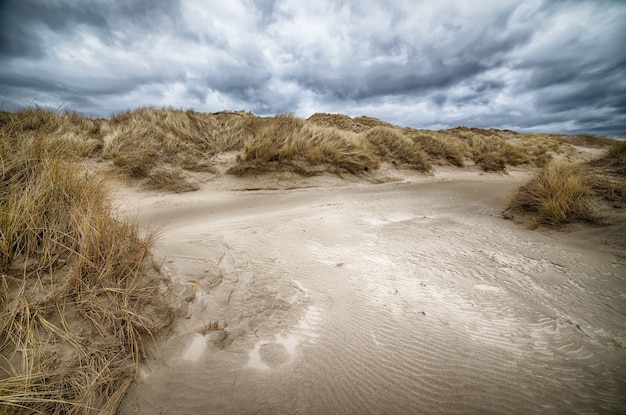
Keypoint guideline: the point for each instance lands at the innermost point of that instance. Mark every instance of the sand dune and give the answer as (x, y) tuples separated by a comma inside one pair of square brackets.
[(413, 296)]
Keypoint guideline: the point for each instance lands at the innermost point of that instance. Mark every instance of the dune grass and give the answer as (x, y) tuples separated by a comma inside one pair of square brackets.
[(493, 149), (138, 140), (558, 194), (288, 143), (157, 147), (394, 147), (615, 158), (441, 146), (562, 192), (78, 294), (609, 180)]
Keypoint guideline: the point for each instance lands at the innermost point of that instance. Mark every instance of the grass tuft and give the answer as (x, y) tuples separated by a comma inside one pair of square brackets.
[(615, 158), (556, 195), (441, 146), (392, 146)]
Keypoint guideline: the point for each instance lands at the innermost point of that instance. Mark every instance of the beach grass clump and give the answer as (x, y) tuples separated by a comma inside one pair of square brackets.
[(171, 180), (148, 139), (78, 294), (492, 153), (288, 143), (343, 122), (394, 147), (339, 121), (78, 135), (586, 140), (441, 146), (609, 180), (615, 158), (558, 194)]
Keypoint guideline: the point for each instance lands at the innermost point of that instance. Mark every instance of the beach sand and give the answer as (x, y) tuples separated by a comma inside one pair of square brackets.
[(336, 295)]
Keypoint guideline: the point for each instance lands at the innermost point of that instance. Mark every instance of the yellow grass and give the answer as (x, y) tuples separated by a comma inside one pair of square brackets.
[(556, 195), (76, 287), (394, 147), (286, 142), (441, 146)]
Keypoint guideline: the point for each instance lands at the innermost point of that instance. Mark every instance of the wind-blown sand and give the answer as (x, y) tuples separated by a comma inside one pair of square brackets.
[(413, 296)]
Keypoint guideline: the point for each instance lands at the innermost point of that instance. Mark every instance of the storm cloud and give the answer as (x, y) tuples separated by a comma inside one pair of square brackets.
[(525, 65)]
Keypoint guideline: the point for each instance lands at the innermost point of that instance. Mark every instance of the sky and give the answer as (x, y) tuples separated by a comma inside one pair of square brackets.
[(530, 66)]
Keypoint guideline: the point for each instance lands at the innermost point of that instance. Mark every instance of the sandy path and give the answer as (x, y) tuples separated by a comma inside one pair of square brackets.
[(398, 298)]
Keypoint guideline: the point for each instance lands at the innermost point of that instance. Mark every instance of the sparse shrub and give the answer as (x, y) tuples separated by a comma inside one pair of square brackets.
[(558, 194)]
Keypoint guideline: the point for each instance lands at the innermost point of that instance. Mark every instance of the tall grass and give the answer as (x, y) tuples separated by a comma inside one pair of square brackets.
[(609, 180), (393, 146), (286, 142), (441, 146), (615, 158), (78, 295), (556, 195)]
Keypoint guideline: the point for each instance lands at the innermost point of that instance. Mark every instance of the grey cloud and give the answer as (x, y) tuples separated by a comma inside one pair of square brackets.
[(22, 20), (542, 65)]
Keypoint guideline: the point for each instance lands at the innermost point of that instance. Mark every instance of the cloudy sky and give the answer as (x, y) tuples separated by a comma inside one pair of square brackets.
[(531, 65)]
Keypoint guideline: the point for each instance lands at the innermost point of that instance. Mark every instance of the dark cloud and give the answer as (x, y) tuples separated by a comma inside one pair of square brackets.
[(532, 65)]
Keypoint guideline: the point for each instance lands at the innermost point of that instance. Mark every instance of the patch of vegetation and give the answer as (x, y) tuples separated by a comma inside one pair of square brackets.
[(286, 142), (441, 146), (587, 140), (615, 158), (171, 180), (150, 138), (78, 294), (558, 194), (609, 181), (392, 146)]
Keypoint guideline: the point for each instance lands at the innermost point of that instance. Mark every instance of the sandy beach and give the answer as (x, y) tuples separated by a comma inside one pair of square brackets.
[(330, 295)]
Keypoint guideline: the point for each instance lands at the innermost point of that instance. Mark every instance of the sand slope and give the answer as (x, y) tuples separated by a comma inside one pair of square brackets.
[(406, 297)]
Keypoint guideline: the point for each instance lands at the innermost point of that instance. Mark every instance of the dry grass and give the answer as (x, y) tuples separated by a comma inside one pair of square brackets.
[(78, 295), (494, 149), (587, 140), (77, 134), (157, 145), (615, 159), (288, 143), (492, 153), (609, 180), (394, 147), (440, 146), (171, 180), (558, 194), (146, 142), (340, 121)]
